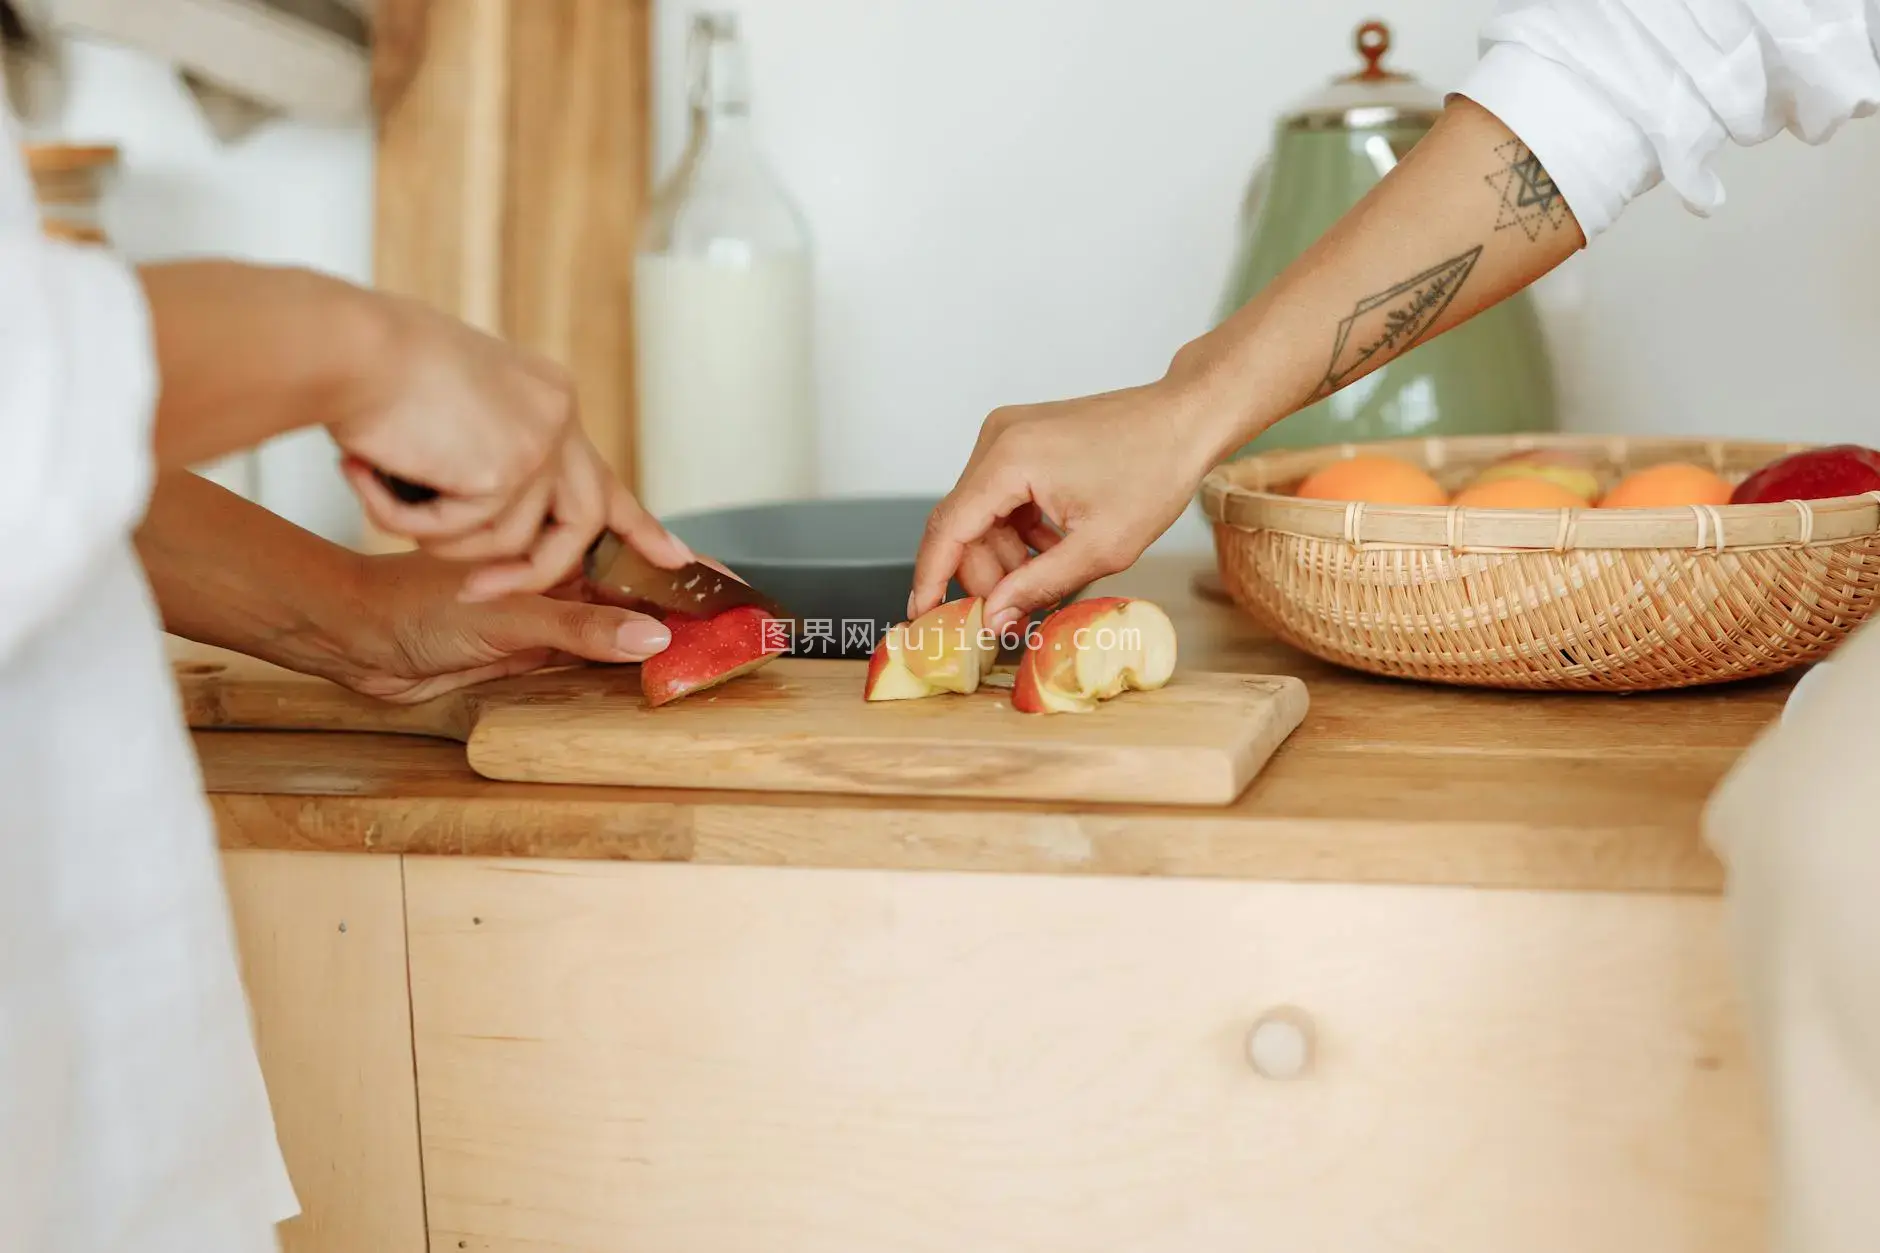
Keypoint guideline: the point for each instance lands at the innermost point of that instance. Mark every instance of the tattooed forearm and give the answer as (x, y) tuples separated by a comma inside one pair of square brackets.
[(1529, 199), (1389, 322)]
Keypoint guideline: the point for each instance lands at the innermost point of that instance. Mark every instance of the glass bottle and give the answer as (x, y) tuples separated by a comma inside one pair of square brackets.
[(723, 308)]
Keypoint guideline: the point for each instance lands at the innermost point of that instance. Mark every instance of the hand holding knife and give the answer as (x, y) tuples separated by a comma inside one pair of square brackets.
[(627, 579)]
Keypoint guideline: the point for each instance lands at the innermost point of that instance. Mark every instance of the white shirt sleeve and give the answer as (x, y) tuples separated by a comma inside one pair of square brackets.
[(78, 384), (1615, 96)]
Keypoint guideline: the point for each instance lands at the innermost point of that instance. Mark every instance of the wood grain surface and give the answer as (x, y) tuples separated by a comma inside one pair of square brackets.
[(323, 958), (1383, 782), (802, 726), (578, 175), (695, 1061)]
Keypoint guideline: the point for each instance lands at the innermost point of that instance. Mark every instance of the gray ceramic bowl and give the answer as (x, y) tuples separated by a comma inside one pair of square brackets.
[(847, 561)]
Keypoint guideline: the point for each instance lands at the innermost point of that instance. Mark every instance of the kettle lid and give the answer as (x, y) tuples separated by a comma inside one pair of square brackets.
[(1371, 96)]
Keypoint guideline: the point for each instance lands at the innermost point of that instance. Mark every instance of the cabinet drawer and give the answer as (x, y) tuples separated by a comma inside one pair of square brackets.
[(711, 1060)]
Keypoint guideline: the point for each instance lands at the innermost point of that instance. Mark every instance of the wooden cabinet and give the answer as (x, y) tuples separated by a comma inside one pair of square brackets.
[(322, 939), (626, 1056), (1010, 1029)]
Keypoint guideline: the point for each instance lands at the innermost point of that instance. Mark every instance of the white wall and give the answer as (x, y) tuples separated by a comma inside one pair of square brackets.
[(1018, 200)]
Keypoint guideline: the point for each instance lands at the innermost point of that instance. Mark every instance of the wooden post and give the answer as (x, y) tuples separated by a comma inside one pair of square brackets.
[(513, 166)]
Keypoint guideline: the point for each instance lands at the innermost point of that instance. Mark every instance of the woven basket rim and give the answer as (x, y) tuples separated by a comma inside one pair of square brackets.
[(1239, 495)]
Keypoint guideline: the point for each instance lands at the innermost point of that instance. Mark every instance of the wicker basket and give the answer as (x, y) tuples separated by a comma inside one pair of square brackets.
[(1568, 599)]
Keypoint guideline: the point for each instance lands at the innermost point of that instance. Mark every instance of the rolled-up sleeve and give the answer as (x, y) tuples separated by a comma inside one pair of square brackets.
[(1616, 96), (78, 386)]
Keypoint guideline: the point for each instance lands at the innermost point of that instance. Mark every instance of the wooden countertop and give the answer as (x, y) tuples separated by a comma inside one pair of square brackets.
[(1385, 782)]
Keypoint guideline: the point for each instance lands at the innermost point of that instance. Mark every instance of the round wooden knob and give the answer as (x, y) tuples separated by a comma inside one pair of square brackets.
[(1280, 1045)]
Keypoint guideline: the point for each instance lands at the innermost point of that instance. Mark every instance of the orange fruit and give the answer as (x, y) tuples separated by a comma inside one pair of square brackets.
[(1663, 486), (1374, 479), (1519, 494)]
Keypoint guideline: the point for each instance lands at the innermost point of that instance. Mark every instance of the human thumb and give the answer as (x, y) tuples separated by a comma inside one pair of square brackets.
[(590, 632)]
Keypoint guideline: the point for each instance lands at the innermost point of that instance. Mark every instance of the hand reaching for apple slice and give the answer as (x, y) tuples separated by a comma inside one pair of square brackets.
[(1088, 483)]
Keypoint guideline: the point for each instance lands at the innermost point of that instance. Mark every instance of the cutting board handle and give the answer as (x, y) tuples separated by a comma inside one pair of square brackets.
[(227, 691)]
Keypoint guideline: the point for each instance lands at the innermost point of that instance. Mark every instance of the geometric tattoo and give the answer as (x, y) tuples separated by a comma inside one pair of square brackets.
[(1394, 319), (1529, 198)]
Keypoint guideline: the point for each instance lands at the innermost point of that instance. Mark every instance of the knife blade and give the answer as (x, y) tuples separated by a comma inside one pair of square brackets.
[(618, 570)]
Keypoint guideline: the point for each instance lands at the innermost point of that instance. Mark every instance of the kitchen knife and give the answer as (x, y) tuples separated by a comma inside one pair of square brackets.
[(624, 577), (618, 570)]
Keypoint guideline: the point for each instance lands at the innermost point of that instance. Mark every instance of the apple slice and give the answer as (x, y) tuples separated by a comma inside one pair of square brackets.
[(1032, 694), (1047, 673), (1129, 648), (1092, 651), (888, 676), (705, 652), (947, 649)]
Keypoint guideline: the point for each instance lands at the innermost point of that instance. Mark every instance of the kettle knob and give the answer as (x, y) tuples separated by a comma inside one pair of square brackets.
[(1372, 41)]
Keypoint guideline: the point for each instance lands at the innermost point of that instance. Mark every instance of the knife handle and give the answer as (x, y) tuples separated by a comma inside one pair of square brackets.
[(407, 491), (418, 494)]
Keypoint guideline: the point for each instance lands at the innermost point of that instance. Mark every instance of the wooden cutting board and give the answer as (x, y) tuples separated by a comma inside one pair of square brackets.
[(801, 726)]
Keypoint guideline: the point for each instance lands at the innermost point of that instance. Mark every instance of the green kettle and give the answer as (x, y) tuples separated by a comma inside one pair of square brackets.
[(1490, 375)]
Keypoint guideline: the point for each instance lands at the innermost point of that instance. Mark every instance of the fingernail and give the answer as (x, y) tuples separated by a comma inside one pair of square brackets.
[(910, 605), (642, 637), (679, 547), (1003, 619)]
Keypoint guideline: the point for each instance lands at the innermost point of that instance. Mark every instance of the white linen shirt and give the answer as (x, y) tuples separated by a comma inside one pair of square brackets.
[(132, 1110), (1616, 96)]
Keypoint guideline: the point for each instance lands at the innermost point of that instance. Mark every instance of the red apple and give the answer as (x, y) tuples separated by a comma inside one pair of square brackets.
[(947, 649), (705, 652), (1816, 474), (1092, 651)]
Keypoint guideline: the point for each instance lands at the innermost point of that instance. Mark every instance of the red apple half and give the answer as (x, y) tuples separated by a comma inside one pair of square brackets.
[(1093, 650), (705, 652), (945, 650), (1817, 474)]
